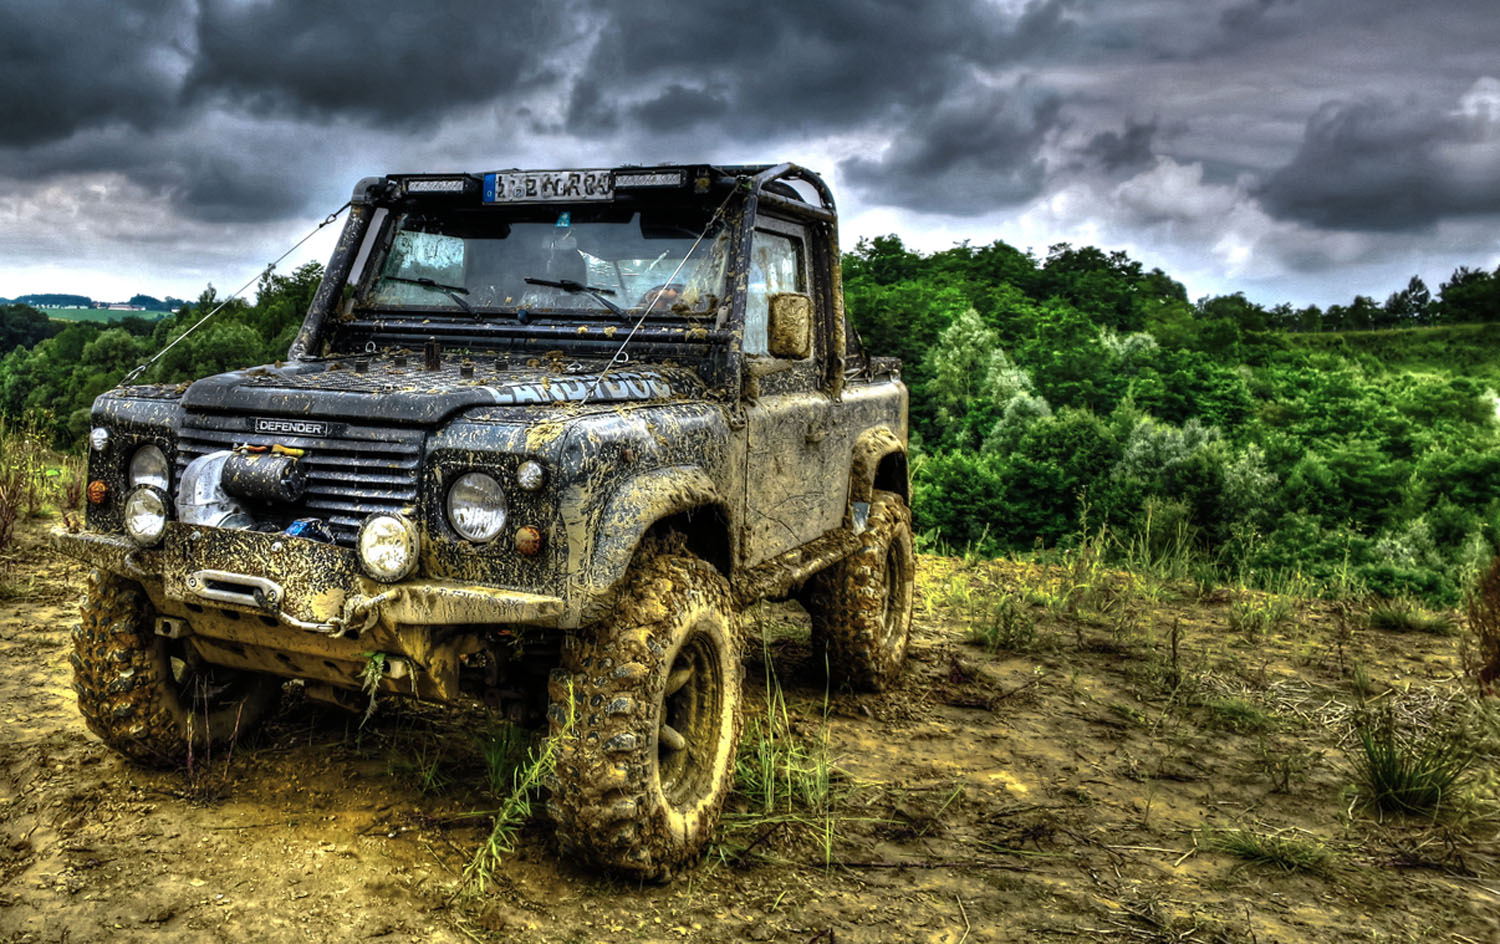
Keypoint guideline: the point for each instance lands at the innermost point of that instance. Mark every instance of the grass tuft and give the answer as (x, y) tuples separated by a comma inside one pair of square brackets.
[(1005, 623), (1401, 773), (1239, 716), (1402, 615), (1286, 849), (1260, 617), (516, 805)]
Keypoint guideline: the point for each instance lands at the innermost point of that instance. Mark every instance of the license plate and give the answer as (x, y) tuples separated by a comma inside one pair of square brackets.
[(548, 186)]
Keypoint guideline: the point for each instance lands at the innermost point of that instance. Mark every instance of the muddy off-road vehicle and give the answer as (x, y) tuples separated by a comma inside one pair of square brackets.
[(541, 437)]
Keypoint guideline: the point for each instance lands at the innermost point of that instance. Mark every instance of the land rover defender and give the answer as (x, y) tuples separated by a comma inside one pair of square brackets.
[(542, 436)]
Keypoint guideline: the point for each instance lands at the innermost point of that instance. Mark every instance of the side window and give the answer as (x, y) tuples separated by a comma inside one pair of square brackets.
[(776, 265)]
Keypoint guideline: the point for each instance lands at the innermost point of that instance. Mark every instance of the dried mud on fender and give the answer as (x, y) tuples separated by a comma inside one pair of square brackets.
[(1050, 792)]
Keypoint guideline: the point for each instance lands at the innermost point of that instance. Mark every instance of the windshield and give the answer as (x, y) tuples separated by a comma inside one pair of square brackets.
[(476, 261)]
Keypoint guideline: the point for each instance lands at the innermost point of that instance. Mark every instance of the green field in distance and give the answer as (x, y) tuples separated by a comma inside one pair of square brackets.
[(101, 315)]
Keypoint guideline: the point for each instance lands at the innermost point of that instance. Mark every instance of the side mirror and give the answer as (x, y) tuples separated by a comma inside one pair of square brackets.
[(790, 330)]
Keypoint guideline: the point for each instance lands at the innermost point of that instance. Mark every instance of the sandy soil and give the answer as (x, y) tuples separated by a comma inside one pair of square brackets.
[(1067, 787)]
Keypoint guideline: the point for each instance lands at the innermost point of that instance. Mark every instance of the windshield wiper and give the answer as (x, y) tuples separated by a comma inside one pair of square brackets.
[(568, 285), (452, 291)]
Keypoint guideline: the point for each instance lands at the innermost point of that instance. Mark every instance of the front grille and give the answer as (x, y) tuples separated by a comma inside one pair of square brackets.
[(355, 473)]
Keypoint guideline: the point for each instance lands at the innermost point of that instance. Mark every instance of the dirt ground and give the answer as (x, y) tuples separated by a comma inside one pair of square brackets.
[(1074, 784)]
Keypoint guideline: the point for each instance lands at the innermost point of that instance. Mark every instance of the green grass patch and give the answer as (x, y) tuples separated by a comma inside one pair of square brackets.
[(99, 315), (1403, 615), (1003, 621), (1239, 716), (1286, 849)]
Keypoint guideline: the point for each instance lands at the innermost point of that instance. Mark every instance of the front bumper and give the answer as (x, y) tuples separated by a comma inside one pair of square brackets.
[(305, 584)]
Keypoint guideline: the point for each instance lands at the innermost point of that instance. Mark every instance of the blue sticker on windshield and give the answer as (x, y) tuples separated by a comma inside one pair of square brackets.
[(564, 221)]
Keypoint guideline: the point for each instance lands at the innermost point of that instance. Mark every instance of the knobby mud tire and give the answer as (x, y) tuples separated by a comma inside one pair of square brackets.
[(143, 701), (861, 606), (623, 797)]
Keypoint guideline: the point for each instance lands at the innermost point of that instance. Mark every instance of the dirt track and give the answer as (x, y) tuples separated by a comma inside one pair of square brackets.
[(1060, 793)]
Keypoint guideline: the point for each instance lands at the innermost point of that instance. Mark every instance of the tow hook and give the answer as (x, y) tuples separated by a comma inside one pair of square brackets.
[(362, 612)]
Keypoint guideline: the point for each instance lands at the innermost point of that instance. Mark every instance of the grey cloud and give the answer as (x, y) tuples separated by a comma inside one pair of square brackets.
[(383, 61), (1374, 165), (784, 66), (72, 65), (965, 157), (214, 172), (1125, 150), (679, 105)]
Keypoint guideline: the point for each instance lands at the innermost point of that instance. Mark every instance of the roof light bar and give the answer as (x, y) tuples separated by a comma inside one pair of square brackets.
[(648, 178), (453, 186)]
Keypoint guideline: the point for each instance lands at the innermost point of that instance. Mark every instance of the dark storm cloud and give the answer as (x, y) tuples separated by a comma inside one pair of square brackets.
[(585, 69), (786, 66), (384, 61), (964, 157), (213, 172), (1122, 150), (76, 64), (1375, 165)]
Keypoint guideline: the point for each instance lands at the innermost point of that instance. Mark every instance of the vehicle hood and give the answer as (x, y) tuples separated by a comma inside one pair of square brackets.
[(409, 394)]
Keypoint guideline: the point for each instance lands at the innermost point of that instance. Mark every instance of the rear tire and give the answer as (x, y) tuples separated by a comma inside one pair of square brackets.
[(148, 697), (645, 712), (861, 606)]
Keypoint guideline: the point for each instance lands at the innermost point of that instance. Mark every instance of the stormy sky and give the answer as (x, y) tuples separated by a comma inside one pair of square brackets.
[(1296, 150)]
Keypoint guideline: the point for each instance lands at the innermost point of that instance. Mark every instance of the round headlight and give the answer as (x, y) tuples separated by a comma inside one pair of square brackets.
[(476, 507), (148, 467), (98, 438), (146, 515), (387, 547), (529, 475)]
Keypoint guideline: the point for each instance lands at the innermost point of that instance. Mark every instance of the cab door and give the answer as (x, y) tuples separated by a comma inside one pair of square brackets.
[(796, 468)]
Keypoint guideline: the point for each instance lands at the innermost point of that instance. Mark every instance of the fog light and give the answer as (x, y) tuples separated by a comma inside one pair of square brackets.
[(387, 547), (97, 491), (528, 540), (146, 516)]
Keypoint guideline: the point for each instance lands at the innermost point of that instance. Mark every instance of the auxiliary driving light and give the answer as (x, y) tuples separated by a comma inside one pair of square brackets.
[(387, 547), (529, 475), (146, 515)]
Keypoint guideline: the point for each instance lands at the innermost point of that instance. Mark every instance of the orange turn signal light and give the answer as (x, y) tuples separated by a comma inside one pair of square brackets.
[(97, 491), (528, 540)]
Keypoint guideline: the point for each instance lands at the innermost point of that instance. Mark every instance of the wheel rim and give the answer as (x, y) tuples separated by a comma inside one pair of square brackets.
[(692, 705)]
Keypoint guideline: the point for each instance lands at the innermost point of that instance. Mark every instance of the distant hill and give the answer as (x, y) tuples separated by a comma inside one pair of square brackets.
[(55, 300)]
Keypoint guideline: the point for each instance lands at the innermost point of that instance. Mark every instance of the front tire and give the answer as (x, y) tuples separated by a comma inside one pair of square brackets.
[(646, 715), (861, 606), (148, 697)]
